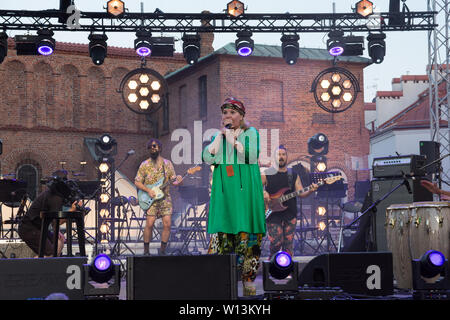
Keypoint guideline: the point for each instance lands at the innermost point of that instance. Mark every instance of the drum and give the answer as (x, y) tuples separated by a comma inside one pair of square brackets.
[(429, 228), (397, 236)]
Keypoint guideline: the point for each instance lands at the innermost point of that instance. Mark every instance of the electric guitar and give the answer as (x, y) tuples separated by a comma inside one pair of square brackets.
[(275, 203), (145, 201)]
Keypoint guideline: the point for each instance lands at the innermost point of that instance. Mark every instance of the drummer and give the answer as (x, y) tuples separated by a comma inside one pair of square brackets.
[(433, 188)]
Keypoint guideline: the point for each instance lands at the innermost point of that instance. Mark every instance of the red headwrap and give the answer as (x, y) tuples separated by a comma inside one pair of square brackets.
[(235, 104)]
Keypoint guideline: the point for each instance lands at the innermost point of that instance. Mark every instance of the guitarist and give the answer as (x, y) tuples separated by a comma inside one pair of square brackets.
[(149, 172), (281, 225)]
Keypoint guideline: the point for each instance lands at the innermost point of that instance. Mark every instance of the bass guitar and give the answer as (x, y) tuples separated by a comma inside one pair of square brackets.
[(145, 201), (275, 204)]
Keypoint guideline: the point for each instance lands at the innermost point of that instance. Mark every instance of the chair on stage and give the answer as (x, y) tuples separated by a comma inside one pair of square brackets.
[(13, 195), (55, 217)]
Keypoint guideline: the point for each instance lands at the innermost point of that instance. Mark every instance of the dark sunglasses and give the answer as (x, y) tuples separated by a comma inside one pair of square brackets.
[(154, 146)]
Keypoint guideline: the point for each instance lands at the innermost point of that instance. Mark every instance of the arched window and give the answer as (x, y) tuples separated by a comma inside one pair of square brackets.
[(29, 174)]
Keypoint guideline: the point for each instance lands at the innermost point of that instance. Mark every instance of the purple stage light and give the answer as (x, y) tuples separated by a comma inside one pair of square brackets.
[(245, 51), (336, 51), (143, 51), (102, 262), (283, 259), (436, 258), (45, 50)]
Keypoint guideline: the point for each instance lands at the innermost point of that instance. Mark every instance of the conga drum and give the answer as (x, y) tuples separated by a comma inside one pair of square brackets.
[(429, 228), (397, 236)]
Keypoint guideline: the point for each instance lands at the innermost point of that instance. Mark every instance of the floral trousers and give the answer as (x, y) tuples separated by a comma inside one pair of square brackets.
[(281, 236), (247, 247)]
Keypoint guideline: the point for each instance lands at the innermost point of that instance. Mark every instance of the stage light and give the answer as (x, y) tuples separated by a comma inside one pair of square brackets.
[(143, 43), (364, 8), (115, 7), (321, 211), (103, 167), (104, 228), (335, 89), (191, 47), (235, 8), (431, 263), (290, 48), (321, 166), (335, 42), (143, 90), (98, 48), (322, 225), (244, 43), (3, 46), (318, 144), (377, 46), (104, 213), (104, 198), (101, 269), (281, 265), (45, 42)]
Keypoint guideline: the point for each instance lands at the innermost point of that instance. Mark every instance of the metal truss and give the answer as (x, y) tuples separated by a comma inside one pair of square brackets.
[(211, 22), (439, 80)]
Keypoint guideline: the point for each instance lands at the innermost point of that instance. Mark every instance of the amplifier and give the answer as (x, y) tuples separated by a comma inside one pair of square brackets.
[(396, 166)]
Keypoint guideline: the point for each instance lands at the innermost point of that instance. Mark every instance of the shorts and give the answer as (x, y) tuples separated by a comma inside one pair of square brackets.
[(32, 237), (160, 208)]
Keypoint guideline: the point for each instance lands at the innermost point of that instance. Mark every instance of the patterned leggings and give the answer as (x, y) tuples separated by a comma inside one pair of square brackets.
[(281, 236), (247, 247)]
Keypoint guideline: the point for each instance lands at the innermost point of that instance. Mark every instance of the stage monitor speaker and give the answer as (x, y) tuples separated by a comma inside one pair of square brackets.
[(15, 249), (365, 273), (430, 149), (202, 277), (380, 187), (35, 279)]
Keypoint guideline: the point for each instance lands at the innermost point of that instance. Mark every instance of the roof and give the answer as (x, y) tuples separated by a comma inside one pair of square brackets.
[(415, 116), (274, 51)]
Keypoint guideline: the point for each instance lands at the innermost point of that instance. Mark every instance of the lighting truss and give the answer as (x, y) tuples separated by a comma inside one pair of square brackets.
[(218, 22)]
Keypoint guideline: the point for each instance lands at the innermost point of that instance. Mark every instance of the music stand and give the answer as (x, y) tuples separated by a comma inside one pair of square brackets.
[(12, 192)]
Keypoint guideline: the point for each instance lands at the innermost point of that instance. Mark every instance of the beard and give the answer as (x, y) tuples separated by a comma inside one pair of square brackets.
[(281, 164), (154, 155)]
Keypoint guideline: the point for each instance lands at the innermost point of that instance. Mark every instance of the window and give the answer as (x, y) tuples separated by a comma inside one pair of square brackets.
[(202, 97), (29, 174)]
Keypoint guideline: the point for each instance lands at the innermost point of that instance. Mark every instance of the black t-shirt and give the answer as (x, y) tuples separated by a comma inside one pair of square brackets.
[(45, 201), (278, 181)]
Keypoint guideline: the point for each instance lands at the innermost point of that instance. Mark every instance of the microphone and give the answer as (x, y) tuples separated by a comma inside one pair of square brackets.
[(131, 152), (406, 183)]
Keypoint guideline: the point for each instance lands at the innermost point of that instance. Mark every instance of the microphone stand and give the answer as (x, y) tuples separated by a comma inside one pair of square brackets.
[(372, 207)]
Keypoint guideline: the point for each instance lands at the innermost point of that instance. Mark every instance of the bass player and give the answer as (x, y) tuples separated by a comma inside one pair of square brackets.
[(281, 224)]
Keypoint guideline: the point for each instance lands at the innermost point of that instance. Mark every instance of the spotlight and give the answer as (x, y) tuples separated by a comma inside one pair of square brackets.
[(191, 47), (244, 43), (101, 277), (290, 48), (3, 46), (318, 144), (103, 167), (335, 43), (431, 263), (377, 46), (364, 8), (276, 272), (45, 42), (235, 8), (115, 7), (143, 43), (102, 269), (106, 146), (318, 163), (97, 48)]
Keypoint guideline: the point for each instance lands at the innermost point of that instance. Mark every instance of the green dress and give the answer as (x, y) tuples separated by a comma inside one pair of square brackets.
[(237, 201)]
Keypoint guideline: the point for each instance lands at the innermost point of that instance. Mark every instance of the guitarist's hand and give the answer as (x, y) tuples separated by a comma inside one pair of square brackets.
[(314, 187), (151, 193), (266, 197), (178, 180)]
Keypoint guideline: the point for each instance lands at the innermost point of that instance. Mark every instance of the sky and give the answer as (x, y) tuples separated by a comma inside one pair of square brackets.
[(406, 51)]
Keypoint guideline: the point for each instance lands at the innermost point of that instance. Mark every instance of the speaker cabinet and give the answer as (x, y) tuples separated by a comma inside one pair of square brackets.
[(380, 187), (430, 149), (204, 277), (367, 273), (22, 279)]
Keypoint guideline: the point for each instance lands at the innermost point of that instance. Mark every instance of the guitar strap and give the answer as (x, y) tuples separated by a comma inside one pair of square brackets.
[(290, 179)]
